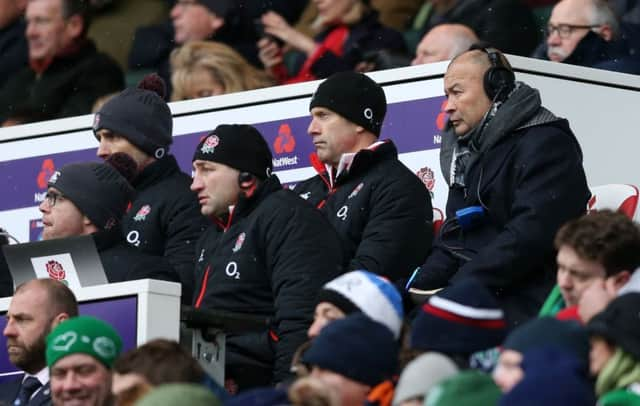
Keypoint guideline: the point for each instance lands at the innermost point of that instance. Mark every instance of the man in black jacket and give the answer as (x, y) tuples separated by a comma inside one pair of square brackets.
[(90, 199), (380, 209), (268, 252), (66, 74), (164, 219), (515, 176)]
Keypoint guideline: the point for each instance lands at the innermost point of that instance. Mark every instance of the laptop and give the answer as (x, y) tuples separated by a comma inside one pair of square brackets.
[(73, 260)]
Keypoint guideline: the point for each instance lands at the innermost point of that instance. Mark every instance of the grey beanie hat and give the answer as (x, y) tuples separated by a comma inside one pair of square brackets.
[(97, 189), (422, 374), (140, 115)]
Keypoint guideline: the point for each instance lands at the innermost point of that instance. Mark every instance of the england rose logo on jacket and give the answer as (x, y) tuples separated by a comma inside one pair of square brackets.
[(239, 242), (141, 215)]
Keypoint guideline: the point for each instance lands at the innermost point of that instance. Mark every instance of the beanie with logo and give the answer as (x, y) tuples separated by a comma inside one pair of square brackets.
[(84, 335), (141, 115), (239, 146), (354, 96), (368, 293), (98, 190)]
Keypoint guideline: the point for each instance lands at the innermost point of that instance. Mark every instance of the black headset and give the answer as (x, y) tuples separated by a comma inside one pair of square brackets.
[(245, 177), (499, 80)]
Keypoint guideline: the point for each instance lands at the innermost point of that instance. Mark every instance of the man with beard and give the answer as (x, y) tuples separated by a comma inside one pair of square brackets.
[(35, 309)]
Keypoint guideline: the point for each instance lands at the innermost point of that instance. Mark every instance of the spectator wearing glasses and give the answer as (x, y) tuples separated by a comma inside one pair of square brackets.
[(588, 33)]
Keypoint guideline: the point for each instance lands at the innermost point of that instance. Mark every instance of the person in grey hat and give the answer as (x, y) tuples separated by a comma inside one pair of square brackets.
[(381, 210), (90, 199), (164, 218)]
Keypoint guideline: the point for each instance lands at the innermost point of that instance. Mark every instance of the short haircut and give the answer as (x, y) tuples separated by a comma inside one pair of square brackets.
[(160, 361), (77, 7), (601, 14), (60, 298), (607, 237)]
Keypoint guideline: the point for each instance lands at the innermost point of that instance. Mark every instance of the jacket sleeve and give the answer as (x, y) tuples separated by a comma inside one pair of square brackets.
[(303, 253), (185, 226), (399, 231), (549, 189)]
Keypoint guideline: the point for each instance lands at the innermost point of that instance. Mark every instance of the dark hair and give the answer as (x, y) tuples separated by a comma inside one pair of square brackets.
[(160, 361), (607, 237), (60, 298), (77, 7)]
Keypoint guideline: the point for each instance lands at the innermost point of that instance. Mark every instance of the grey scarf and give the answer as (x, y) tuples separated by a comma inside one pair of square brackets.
[(522, 109)]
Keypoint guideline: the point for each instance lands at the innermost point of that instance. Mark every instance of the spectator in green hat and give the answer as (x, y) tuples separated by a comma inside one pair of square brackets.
[(80, 353)]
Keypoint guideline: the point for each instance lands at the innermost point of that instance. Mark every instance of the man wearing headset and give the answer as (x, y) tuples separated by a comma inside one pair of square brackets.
[(515, 176), (268, 254)]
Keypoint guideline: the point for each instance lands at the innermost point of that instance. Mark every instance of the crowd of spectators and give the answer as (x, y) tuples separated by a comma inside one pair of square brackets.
[(53, 50), (520, 297)]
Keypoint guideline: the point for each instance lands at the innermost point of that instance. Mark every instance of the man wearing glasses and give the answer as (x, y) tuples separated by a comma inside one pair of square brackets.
[(90, 199), (586, 33)]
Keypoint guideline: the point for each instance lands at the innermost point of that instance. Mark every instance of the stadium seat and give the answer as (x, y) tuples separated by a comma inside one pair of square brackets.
[(615, 196)]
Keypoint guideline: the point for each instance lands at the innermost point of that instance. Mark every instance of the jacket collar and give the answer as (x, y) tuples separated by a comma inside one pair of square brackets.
[(352, 164), (156, 171), (248, 203), (105, 239)]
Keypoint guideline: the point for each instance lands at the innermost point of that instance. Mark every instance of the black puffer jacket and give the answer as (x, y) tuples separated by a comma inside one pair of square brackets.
[(380, 209), (269, 258), (122, 262), (165, 220)]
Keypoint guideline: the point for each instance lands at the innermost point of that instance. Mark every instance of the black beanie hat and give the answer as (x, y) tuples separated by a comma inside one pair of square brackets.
[(140, 115), (356, 347), (239, 146), (97, 189), (619, 322), (220, 7), (354, 96)]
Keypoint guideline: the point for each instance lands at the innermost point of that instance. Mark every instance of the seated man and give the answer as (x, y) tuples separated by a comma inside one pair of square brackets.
[(443, 42), (381, 210), (597, 253), (352, 356), (90, 199), (267, 252), (515, 176), (588, 33), (80, 354), (164, 217), (66, 73), (36, 308)]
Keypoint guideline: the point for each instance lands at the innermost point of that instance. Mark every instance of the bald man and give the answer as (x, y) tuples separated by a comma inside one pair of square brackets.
[(515, 175), (443, 42), (572, 21)]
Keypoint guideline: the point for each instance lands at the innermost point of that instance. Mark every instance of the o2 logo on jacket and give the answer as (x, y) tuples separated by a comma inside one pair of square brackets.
[(232, 270)]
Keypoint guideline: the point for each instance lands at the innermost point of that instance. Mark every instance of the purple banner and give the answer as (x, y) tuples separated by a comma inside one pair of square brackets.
[(121, 313), (411, 125)]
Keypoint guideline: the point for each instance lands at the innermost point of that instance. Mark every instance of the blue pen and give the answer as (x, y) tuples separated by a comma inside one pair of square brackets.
[(413, 276)]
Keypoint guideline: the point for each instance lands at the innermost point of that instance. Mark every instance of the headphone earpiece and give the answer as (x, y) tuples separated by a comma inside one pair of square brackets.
[(244, 177), (499, 80)]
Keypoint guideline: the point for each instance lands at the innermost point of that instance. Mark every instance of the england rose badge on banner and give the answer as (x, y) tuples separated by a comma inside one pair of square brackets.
[(59, 267)]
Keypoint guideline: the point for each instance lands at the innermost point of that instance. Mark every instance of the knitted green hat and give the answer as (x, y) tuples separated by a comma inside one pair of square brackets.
[(84, 335), (179, 394), (469, 388)]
